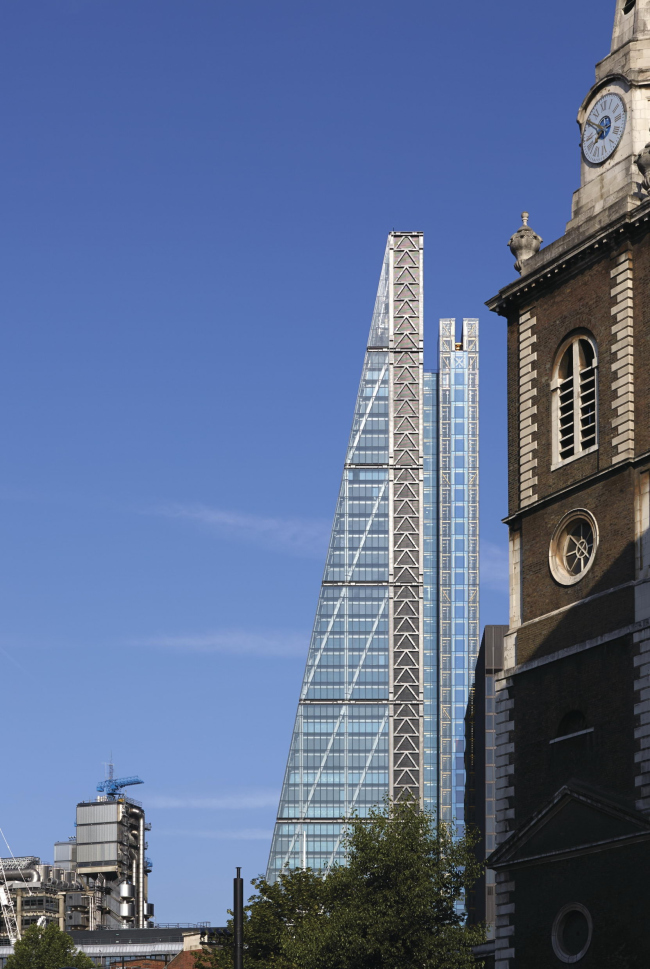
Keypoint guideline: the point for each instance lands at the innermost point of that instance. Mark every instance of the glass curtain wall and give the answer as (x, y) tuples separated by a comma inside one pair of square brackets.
[(339, 756), (338, 761), (458, 510), (430, 732)]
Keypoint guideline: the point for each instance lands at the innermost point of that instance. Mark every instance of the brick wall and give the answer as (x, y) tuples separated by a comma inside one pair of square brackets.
[(608, 296), (613, 566), (603, 296), (613, 887), (605, 672), (599, 682)]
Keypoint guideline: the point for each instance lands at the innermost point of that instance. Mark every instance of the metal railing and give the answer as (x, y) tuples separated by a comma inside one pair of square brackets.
[(182, 925), (103, 799)]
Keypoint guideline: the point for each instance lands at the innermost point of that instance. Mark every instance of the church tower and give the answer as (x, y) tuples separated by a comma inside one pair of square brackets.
[(572, 760)]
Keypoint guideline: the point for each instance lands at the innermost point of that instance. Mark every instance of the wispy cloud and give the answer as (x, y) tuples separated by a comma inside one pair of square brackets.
[(255, 799), (232, 641), (297, 536), (11, 659), (494, 567), (243, 834)]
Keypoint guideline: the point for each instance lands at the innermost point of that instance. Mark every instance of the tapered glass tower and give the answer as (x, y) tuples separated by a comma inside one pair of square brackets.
[(370, 717)]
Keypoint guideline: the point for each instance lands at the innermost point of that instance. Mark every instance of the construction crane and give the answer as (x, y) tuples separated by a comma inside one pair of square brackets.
[(112, 786)]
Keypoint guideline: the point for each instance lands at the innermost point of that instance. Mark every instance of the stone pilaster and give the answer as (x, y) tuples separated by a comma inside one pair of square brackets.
[(527, 410), (622, 365), (504, 928)]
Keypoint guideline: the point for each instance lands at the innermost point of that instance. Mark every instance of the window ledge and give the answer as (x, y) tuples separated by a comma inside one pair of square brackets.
[(568, 736), (576, 457)]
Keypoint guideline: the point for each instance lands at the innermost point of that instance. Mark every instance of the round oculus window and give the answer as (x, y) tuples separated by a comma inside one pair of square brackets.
[(573, 546), (578, 546), (572, 932)]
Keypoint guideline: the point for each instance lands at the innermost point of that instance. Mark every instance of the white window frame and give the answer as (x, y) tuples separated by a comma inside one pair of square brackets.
[(556, 384), (557, 547)]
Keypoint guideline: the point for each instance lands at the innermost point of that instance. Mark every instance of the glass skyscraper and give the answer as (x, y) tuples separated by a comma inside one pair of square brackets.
[(395, 638)]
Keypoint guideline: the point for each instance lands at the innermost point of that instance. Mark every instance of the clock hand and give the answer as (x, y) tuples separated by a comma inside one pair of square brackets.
[(594, 125)]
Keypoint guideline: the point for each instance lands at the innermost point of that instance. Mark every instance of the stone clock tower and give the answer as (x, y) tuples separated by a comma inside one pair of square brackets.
[(572, 765)]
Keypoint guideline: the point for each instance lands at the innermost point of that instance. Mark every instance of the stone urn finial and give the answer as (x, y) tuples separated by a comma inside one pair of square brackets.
[(524, 243), (643, 164)]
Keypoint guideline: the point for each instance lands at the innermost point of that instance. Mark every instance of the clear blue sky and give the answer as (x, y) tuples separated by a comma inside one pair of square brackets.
[(195, 197)]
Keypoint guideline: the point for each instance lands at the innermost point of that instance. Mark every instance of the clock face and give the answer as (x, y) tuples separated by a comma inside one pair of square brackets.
[(603, 128)]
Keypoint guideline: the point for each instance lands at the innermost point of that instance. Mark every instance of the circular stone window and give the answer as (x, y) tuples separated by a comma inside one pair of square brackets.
[(572, 931), (573, 546)]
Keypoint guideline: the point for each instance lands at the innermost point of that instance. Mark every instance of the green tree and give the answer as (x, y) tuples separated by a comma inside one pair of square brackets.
[(47, 947), (271, 921), (394, 905)]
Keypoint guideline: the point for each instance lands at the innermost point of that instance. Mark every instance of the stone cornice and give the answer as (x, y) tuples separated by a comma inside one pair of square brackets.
[(562, 258), (578, 485)]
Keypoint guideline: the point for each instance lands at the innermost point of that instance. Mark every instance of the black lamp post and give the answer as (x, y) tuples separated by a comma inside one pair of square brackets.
[(238, 913)]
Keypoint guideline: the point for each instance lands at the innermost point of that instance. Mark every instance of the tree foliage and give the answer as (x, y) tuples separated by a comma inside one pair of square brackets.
[(392, 906), (47, 947)]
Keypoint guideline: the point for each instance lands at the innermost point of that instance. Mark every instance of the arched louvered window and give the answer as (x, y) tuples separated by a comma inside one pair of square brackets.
[(575, 399)]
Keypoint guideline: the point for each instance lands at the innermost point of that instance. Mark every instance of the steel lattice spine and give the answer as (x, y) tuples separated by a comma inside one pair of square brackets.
[(406, 487)]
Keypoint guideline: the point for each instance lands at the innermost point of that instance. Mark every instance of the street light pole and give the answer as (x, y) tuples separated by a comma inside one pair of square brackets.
[(238, 913)]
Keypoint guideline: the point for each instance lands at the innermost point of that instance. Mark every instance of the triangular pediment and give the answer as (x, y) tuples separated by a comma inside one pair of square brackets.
[(577, 820)]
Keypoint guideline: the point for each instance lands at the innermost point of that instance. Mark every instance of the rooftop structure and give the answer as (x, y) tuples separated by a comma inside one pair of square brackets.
[(99, 879), (157, 945)]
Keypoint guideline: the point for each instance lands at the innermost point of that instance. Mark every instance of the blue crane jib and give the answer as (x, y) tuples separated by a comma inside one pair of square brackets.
[(113, 785)]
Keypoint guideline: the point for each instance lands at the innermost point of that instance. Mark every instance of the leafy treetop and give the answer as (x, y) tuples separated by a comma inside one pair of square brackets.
[(47, 947), (392, 906)]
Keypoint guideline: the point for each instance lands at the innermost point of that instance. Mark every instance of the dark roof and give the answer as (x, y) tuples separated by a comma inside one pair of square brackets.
[(112, 936)]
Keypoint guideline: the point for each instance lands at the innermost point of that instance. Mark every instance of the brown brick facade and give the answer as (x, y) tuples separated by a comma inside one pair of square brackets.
[(575, 303), (599, 683), (579, 301), (576, 652), (613, 566)]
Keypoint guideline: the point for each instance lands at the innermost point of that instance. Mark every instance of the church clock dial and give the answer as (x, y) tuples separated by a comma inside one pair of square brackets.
[(603, 128)]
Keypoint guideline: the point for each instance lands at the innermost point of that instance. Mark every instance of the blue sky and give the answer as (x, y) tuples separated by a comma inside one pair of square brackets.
[(195, 197)]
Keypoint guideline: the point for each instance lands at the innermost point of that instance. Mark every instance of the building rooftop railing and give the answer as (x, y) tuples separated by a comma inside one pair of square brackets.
[(103, 799), (182, 925), (15, 864)]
